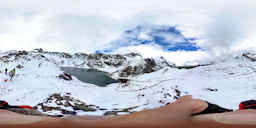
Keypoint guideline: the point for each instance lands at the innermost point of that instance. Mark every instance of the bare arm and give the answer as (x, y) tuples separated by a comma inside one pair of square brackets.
[(177, 114)]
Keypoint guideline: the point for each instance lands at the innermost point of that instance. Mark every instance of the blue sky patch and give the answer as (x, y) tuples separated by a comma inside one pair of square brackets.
[(169, 38)]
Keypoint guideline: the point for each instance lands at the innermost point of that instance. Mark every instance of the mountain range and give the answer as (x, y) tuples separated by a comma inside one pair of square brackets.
[(141, 83)]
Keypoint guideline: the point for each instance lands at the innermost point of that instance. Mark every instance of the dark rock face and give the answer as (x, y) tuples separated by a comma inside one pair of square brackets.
[(81, 55), (128, 71), (250, 56), (132, 54), (25, 55), (100, 60), (66, 55), (60, 54), (122, 80), (15, 54), (83, 107), (192, 66), (19, 53), (212, 89), (65, 76), (64, 104), (19, 66), (178, 92), (116, 111), (95, 61), (65, 101), (66, 112), (188, 67), (39, 50), (148, 67)]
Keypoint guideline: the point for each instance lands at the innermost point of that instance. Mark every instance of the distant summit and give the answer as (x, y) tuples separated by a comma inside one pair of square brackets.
[(169, 38)]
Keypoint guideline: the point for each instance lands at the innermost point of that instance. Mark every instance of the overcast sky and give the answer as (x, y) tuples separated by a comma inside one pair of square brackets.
[(85, 25)]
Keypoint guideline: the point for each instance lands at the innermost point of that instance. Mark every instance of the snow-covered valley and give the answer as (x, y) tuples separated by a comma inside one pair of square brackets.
[(144, 83)]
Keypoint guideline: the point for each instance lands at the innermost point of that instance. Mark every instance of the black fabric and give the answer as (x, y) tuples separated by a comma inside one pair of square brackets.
[(249, 107), (4, 104), (57, 116), (213, 108), (249, 104)]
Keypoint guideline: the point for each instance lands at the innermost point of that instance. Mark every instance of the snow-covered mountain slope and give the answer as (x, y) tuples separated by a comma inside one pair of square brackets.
[(144, 82)]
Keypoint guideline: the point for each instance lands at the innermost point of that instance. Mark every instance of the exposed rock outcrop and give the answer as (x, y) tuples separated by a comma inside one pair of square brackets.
[(250, 56), (115, 112), (192, 66), (65, 76), (103, 59), (147, 66), (64, 104)]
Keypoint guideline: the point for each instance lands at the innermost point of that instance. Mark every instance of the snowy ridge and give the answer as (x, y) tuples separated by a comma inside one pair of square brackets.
[(151, 82)]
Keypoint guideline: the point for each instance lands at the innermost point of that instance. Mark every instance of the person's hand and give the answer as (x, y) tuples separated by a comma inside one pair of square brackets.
[(194, 105), (174, 114)]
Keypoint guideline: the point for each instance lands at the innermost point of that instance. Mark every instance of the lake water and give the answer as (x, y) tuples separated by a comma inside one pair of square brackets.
[(91, 76)]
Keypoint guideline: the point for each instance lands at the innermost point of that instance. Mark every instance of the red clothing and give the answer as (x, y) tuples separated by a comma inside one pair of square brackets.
[(25, 107)]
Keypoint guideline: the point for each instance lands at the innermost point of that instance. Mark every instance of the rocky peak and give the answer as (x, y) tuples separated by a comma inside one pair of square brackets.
[(250, 56), (101, 60), (21, 55), (58, 103), (148, 65), (130, 64)]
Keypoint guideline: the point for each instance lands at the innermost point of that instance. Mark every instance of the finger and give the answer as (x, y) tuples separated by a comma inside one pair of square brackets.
[(197, 106), (184, 99)]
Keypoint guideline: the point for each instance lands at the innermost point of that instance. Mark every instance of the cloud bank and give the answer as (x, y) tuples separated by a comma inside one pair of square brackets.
[(222, 27)]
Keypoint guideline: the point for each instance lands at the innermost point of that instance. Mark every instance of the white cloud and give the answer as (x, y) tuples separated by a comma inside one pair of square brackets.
[(84, 25), (20, 33), (179, 57)]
